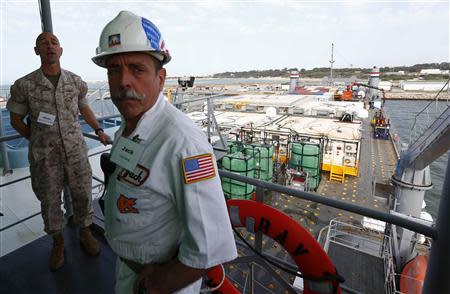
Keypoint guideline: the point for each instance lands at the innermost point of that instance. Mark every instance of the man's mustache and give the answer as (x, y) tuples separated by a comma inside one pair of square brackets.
[(127, 94)]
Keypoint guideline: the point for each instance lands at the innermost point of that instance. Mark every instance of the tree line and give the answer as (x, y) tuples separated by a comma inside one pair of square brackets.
[(320, 72)]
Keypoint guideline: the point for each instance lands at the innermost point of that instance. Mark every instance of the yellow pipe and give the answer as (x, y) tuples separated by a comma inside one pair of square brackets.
[(169, 96)]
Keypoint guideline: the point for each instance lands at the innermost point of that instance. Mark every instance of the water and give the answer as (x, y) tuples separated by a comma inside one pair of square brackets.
[(402, 115)]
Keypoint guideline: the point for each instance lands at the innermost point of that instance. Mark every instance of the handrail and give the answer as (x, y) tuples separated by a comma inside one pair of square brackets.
[(20, 221), (15, 181), (27, 177), (17, 136), (426, 230), (199, 99), (10, 138), (425, 108)]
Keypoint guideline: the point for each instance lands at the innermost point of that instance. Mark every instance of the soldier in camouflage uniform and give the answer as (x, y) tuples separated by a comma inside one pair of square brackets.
[(52, 98)]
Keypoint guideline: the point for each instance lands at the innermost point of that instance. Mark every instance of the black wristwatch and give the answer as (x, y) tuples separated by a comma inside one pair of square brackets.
[(98, 131)]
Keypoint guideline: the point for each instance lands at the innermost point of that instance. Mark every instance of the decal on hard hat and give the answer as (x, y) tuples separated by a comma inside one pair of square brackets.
[(114, 40), (153, 34)]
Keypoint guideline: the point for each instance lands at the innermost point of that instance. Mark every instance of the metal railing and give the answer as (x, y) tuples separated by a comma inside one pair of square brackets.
[(339, 230), (39, 212), (426, 117), (369, 212)]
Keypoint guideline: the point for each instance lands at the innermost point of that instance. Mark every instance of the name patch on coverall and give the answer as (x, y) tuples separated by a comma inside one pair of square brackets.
[(127, 153)]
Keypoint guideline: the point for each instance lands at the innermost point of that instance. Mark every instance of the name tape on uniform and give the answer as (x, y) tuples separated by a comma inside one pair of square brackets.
[(46, 118), (126, 153), (198, 168)]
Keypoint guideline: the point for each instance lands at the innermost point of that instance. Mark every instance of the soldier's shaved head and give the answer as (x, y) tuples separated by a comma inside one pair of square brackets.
[(44, 34)]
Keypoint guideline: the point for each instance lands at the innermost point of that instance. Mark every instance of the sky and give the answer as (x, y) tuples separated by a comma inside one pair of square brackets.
[(206, 37)]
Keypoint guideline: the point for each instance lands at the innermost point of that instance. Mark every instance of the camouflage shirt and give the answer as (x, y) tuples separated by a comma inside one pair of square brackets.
[(34, 94)]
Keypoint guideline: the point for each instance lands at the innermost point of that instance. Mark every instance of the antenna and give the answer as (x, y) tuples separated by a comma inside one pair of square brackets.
[(331, 64)]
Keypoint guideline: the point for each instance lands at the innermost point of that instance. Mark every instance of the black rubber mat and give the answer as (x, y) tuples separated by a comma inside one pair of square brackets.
[(26, 270)]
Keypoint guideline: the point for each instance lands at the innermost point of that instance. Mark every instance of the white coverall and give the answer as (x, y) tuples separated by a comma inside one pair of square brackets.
[(152, 215)]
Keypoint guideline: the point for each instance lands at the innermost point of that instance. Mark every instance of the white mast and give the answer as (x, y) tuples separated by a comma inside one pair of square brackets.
[(331, 64)]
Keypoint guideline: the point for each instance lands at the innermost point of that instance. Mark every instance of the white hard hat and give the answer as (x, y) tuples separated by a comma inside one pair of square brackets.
[(128, 32)]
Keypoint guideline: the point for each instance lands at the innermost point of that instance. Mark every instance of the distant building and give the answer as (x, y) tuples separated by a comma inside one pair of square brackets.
[(422, 85), (385, 85), (394, 73), (433, 71)]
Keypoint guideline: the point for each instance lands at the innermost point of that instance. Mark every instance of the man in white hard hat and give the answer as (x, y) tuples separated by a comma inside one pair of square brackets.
[(165, 213)]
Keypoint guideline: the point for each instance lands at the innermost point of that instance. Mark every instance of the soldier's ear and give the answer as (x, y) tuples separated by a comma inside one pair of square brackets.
[(61, 51), (36, 50)]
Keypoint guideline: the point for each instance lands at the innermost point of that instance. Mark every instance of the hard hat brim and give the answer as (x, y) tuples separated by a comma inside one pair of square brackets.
[(100, 59)]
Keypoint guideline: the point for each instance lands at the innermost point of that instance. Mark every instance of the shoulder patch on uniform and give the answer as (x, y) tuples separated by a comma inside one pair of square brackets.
[(198, 168), (136, 178)]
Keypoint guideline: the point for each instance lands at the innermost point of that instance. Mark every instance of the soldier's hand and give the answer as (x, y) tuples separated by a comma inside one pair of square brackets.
[(104, 138)]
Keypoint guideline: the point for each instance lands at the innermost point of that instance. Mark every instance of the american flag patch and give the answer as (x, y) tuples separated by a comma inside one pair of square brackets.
[(198, 168)]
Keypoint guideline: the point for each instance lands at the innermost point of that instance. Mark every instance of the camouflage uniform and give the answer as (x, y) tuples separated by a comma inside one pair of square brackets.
[(58, 152)]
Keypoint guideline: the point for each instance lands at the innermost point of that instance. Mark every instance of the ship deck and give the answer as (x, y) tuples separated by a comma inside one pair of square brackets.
[(26, 270), (351, 263), (370, 189)]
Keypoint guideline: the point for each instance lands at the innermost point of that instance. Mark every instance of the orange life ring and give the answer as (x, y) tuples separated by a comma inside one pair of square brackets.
[(312, 261), (413, 275), (218, 282)]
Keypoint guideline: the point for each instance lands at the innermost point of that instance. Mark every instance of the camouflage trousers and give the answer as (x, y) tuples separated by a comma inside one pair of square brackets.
[(48, 177)]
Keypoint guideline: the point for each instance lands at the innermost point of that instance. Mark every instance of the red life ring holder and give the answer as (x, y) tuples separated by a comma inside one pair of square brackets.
[(320, 274)]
